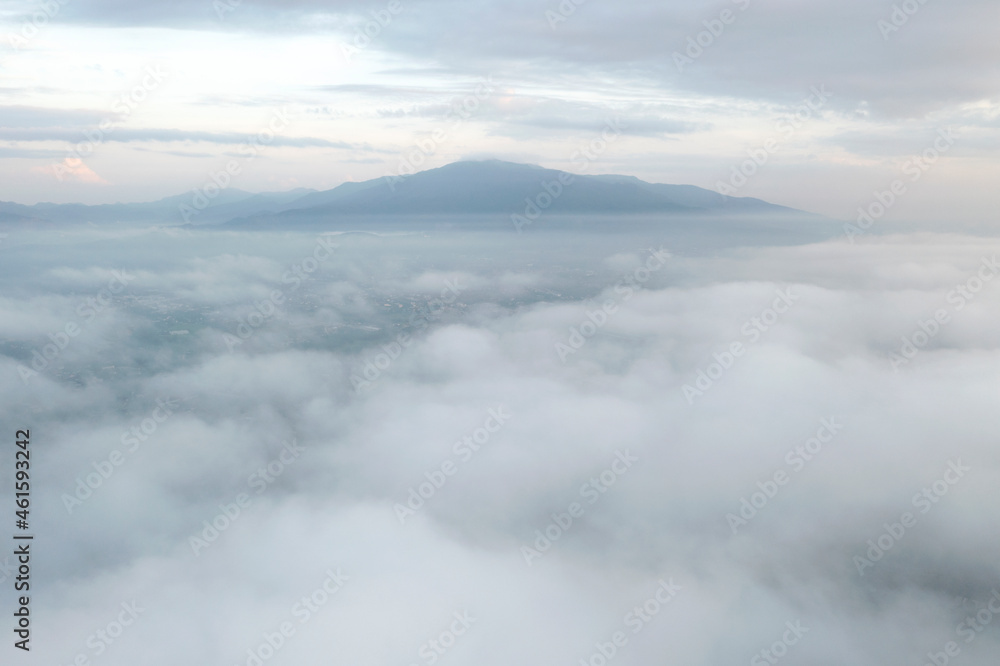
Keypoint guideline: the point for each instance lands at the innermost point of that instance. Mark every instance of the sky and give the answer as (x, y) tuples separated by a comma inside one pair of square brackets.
[(131, 101), (422, 443)]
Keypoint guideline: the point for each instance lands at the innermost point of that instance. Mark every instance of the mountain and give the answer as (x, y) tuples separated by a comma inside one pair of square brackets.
[(494, 187), (470, 188), (228, 204)]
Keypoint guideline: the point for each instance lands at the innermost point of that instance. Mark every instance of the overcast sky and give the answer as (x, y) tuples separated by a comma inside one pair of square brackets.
[(179, 86)]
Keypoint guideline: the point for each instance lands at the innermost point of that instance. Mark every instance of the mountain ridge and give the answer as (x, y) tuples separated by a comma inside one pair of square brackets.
[(480, 187), (491, 187)]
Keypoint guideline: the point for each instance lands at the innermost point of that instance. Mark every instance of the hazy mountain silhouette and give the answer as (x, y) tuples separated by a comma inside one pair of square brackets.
[(490, 187), (496, 187)]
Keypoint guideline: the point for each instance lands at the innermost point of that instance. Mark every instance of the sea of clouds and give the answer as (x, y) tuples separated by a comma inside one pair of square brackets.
[(487, 448)]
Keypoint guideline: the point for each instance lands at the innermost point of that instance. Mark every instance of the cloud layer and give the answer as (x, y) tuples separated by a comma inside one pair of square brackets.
[(421, 430)]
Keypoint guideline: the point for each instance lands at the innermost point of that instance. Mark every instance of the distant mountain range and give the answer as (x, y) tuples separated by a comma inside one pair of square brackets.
[(490, 187)]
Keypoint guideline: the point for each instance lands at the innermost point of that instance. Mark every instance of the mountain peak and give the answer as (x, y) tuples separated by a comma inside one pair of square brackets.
[(493, 186)]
